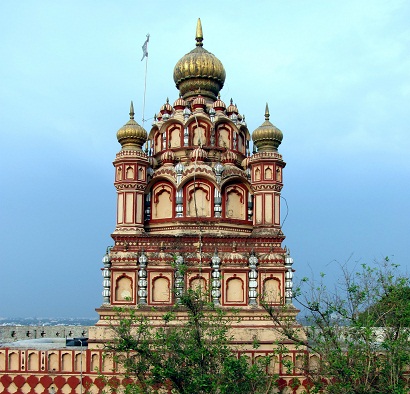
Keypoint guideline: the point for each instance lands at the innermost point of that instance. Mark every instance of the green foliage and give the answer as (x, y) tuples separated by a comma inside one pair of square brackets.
[(192, 355), (359, 330)]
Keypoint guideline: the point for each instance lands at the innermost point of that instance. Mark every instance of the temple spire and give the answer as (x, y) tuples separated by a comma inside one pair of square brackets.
[(199, 35), (132, 113), (267, 112)]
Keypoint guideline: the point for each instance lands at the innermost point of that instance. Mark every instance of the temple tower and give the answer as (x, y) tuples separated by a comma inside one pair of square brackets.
[(194, 195)]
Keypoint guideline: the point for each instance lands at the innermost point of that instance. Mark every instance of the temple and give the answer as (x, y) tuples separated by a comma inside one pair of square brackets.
[(189, 192)]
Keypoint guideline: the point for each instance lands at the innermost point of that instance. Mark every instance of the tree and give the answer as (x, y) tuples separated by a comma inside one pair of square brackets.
[(188, 355), (357, 334)]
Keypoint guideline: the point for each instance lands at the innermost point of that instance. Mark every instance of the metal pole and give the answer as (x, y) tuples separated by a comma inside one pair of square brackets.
[(81, 367)]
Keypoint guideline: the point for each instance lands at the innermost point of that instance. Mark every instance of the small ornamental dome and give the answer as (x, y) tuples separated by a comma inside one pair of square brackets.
[(267, 137), (232, 109), (199, 69), (166, 108), (228, 157), (132, 136), (168, 157), (198, 154), (179, 104), (199, 102), (219, 105)]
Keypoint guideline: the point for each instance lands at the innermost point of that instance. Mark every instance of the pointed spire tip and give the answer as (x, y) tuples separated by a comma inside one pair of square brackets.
[(199, 35), (132, 113)]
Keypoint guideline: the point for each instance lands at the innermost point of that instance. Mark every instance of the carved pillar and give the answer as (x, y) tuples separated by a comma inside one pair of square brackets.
[(179, 279), (179, 198), (217, 203), (106, 273), (216, 279), (142, 281), (253, 275), (288, 278)]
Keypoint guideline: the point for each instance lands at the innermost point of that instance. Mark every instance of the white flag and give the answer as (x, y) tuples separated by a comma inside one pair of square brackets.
[(145, 48)]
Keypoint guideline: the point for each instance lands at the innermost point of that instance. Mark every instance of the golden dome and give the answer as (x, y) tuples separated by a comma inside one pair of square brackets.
[(267, 137), (132, 136), (199, 69)]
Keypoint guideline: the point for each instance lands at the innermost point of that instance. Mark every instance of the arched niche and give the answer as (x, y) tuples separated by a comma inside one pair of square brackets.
[(13, 361), (224, 136), (198, 283), (257, 174), (33, 361), (66, 362), (130, 172), (162, 201), (272, 290), (198, 198), (268, 172), (175, 133), (235, 290), (161, 289), (52, 362), (157, 142), (95, 362), (123, 288), (235, 202), (79, 360), (199, 131)]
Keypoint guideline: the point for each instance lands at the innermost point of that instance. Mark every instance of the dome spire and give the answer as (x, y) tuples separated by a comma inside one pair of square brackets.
[(132, 113), (199, 35), (267, 112)]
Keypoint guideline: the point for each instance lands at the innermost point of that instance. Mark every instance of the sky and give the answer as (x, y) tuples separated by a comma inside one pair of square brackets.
[(336, 76)]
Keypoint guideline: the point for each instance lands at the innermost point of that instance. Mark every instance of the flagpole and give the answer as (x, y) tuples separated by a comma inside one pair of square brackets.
[(145, 90), (145, 54)]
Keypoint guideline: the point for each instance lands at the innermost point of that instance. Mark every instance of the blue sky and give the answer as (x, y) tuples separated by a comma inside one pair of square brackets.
[(337, 80)]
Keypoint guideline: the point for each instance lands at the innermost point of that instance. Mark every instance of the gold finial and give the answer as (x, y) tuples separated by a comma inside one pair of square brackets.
[(132, 113), (267, 112), (199, 35), (167, 100)]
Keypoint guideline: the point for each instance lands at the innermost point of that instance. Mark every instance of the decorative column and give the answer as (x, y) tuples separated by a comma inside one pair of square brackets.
[(148, 206), (106, 273), (217, 203), (216, 279), (253, 275), (288, 278), (179, 279), (250, 206), (142, 281), (179, 198)]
